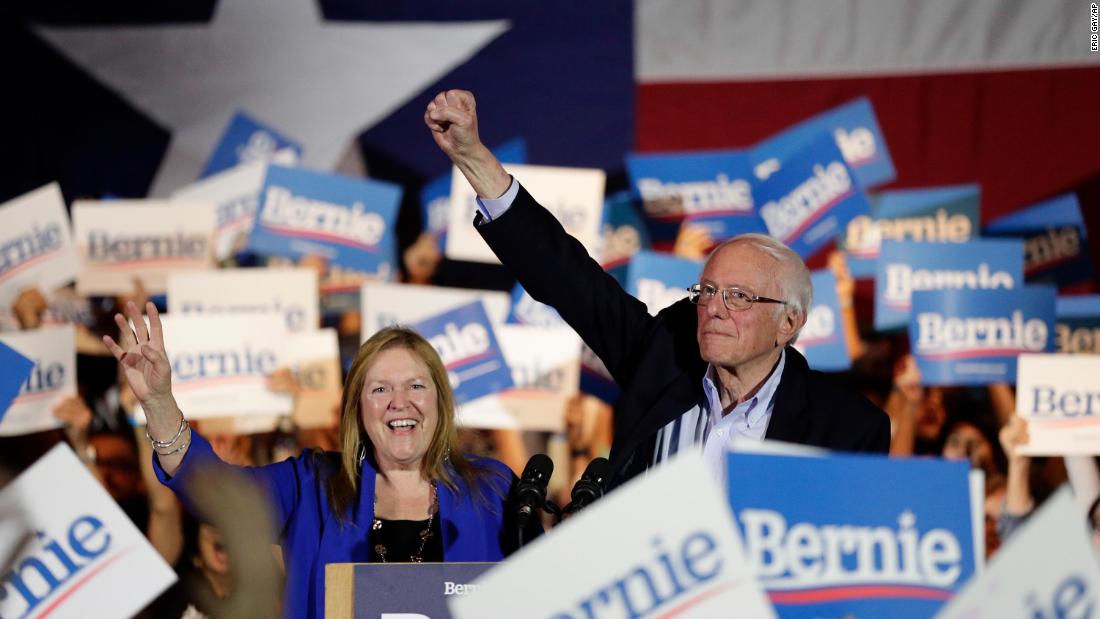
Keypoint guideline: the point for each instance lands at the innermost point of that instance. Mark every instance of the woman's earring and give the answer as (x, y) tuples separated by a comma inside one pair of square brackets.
[(362, 452), (447, 454)]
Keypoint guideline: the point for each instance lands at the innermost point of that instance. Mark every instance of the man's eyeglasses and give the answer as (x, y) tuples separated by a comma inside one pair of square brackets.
[(733, 297)]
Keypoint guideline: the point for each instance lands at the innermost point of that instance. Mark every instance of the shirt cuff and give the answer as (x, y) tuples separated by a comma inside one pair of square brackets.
[(492, 208)]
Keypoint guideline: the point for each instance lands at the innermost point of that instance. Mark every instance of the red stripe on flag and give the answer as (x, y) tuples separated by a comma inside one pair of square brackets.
[(1018, 133)]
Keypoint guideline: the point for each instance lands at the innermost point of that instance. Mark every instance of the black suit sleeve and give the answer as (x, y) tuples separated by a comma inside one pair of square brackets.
[(556, 270)]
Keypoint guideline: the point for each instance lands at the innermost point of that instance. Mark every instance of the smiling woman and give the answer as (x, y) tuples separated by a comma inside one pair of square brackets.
[(399, 491)]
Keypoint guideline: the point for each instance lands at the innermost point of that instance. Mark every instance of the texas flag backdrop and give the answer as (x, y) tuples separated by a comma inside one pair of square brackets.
[(986, 91)]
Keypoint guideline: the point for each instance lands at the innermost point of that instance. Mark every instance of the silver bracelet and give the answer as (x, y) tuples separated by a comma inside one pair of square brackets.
[(163, 444), (185, 445)]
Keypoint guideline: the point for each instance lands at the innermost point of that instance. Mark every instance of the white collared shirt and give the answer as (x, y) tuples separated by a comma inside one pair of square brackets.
[(705, 424)]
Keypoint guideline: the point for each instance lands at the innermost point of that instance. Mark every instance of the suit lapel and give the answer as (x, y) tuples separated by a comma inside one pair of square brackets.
[(790, 401)]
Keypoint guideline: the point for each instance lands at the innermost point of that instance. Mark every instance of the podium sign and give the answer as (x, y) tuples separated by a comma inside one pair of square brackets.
[(396, 590)]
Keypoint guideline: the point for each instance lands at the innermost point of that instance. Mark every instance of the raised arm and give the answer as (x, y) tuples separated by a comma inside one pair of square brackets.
[(452, 117), (140, 352), (549, 263)]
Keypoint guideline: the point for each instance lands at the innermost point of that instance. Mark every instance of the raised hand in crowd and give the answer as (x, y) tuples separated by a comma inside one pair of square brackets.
[(693, 242), (904, 406), (421, 259), (140, 353), (1018, 499), (76, 420), (845, 294), (29, 307)]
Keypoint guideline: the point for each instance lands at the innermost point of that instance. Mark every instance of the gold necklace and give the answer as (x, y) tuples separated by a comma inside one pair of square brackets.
[(425, 534)]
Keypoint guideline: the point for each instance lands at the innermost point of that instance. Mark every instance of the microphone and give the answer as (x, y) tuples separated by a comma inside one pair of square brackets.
[(591, 486), (530, 492)]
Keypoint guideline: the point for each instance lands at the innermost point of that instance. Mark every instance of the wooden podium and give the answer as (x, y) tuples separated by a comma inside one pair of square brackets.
[(371, 590)]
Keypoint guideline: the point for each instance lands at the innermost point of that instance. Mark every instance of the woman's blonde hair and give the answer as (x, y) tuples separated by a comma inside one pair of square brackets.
[(443, 461)]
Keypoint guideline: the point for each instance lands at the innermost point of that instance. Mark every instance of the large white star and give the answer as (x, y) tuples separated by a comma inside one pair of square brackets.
[(318, 82)]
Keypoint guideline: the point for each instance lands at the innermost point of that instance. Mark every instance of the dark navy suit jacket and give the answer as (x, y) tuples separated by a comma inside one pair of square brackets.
[(655, 359)]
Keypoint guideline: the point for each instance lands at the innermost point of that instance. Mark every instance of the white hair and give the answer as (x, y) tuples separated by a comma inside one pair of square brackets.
[(792, 275)]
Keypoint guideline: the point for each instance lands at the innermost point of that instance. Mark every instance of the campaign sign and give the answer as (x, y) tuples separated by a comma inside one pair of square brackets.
[(855, 130), (397, 590), (314, 358), (545, 364), (1048, 569), (674, 552), (936, 215), (83, 557), (659, 280), (624, 234), (347, 221), (854, 535), (36, 248), (236, 192), (385, 305), (708, 189), (435, 197), (808, 201), (905, 267), (527, 311), (1059, 397), (1078, 328), (464, 339), (144, 239), (220, 364), (52, 379), (246, 140), (1056, 243), (973, 337), (823, 339), (573, 195), (16, 370), (288, 293)]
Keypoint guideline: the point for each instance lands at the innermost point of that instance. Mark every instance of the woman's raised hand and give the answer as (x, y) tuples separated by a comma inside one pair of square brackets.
[(140, 352)]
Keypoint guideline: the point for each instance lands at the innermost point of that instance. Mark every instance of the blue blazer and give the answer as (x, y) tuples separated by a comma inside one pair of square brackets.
[(310, 535)]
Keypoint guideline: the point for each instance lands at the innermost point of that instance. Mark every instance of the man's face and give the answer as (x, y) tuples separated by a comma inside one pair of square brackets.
[(732, 338)]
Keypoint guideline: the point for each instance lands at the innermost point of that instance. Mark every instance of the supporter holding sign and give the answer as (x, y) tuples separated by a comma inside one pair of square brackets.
[(824, 341), (1078, 328), (855, 129), (811, 197), (658, 279), (87, 558), (288, 293), (1048, 569), (897, 543), (36, 248), (385, 305), (905, 267), (126, 239), (1059, 397), (711, 191), (715, 363), (973, 337), (51, 380), (933, 215), (220, 364), (1056, 243), (236, 192), (348, 222), (399, 461), (247, 141), (464, 339)]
